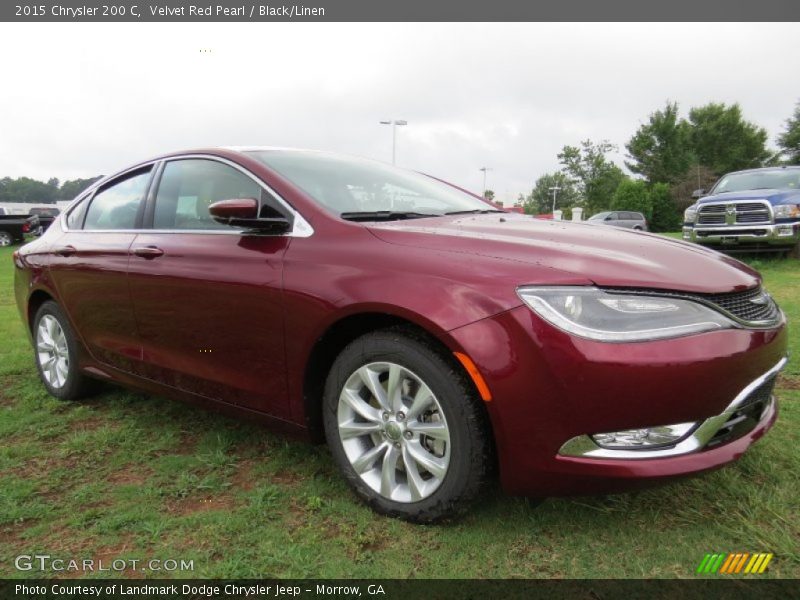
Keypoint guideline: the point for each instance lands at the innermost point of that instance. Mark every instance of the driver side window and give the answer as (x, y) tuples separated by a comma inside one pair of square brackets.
[(188, 187)]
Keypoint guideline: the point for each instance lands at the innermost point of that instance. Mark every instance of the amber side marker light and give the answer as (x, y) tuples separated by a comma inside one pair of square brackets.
[(476, 376)]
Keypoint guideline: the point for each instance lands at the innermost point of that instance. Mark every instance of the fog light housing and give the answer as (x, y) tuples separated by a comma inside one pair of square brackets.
[(644, 438), (785, 231), (687, 233)]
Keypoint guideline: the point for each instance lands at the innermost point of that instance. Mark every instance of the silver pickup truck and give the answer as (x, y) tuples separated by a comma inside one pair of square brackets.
[(748, 211)]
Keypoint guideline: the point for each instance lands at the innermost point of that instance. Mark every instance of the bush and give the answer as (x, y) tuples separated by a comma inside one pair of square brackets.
[(666, 216), (655, 203), (632, 194)]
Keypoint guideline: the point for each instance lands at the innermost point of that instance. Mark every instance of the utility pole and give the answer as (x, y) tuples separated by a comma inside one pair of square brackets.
[(554, 189), (484, 169), (394, 123)]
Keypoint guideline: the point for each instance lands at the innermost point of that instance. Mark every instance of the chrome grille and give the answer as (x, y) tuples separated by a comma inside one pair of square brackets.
[(742, 305), (711, 214), (733, 213)]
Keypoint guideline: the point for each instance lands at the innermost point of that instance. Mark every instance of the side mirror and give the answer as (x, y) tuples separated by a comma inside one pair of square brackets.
[(697, 194), (243, 212), (609, 218)]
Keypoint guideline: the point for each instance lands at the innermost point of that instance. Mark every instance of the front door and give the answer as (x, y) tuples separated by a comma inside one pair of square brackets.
[(207, 297)]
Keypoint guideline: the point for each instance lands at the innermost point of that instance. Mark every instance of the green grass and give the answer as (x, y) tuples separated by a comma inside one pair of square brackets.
[(126, 475)]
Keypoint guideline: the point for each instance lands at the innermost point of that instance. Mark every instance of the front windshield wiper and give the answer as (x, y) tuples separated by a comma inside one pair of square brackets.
[(384, 215), (475, 211)]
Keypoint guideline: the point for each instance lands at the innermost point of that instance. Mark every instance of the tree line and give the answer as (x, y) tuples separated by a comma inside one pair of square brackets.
[(670, 156), (25, 189)]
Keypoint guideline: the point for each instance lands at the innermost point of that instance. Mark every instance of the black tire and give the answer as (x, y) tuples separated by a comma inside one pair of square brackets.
[(471, 457), (76, 384), (637, 228)]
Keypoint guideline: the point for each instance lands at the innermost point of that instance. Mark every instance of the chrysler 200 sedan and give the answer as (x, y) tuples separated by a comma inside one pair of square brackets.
[(429, 338)]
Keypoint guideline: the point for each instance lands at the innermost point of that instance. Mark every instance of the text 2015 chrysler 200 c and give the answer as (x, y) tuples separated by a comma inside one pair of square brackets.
[(427, 336)]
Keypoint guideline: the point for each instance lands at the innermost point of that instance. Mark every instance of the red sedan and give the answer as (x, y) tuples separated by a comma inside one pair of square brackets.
[(430, 338)]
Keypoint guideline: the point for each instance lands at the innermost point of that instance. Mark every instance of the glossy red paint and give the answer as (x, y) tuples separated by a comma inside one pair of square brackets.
[(233, 320)]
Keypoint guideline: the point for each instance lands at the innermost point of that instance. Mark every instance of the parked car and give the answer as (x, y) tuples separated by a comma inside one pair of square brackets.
[(428, 337), (46, 216), (620, 218), (13, 228), (757, 210)]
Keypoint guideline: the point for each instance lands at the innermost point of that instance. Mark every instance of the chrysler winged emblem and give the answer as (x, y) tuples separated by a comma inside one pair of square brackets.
[(761, 299)]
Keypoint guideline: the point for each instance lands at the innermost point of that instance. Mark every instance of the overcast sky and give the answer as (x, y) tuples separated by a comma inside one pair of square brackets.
[(83, 99)]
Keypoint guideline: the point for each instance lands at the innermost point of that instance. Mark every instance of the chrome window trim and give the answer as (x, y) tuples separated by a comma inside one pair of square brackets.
[(301, 228), (584, 446)]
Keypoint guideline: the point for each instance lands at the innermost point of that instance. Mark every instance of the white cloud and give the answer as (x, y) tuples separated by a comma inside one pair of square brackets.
[(81, 99)]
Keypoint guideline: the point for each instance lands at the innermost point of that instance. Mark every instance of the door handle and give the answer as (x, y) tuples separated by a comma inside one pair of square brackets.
[(148, 251), (65, 251)]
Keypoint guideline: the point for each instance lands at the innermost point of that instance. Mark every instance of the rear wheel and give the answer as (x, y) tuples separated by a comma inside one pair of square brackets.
[(56, 351), (5, 239), (405, 427)]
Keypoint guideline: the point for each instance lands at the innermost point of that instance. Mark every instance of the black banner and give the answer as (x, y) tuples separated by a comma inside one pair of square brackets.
[(391, 589), (404, 10)]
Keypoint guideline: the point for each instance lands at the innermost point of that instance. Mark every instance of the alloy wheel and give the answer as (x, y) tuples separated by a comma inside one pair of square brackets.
[(5, 239), (394, 432), (52, 351)]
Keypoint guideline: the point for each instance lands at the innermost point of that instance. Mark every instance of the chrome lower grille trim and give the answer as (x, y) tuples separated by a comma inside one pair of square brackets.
[(584, 447)]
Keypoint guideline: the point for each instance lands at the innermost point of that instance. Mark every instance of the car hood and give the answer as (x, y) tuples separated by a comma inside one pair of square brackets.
[(773, 196), (606, 256)]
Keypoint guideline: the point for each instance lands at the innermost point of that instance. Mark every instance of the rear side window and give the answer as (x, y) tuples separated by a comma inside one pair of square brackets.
[(116, 206), (188, 187)]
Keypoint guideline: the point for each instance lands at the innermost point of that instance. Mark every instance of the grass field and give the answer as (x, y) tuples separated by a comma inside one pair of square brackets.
[(126, 475)]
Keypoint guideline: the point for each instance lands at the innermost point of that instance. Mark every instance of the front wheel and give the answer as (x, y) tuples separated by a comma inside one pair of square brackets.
[(5, 239), (405, 427)]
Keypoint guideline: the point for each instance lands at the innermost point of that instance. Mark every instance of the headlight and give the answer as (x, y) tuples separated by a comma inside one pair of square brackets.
[(689, 214), (618, 317), (787, 211), (651, 437)]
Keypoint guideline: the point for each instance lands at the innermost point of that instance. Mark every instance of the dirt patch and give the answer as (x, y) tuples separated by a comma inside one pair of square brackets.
[(289, 478), (9, 534), (88, 424), (193, 505), (788, 383), (130, 475), (243, 478)]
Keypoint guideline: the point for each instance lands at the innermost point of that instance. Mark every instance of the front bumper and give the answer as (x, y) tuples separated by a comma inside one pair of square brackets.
[(549, 388), (768, 236)]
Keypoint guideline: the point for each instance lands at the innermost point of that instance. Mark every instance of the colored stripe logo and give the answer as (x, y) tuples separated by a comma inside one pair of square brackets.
[(735, 563)]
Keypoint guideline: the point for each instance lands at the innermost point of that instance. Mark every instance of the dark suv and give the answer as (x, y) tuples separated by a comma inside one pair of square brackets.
[(620, 218)]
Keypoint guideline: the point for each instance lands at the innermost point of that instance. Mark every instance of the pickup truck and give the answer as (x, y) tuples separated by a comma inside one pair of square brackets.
[(757, 210), (46, 216), (14, 227)]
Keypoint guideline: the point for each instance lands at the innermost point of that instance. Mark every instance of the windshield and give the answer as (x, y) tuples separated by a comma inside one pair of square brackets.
[(353, 187), (599, 216), (773, 179)]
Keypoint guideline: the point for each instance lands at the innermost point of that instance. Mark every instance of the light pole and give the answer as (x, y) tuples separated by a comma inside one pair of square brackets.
[(484, 169), (394, 123), (554, 189)]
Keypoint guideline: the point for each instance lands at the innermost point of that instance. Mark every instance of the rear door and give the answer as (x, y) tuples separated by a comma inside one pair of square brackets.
[(208, 297), (89, 268)]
